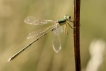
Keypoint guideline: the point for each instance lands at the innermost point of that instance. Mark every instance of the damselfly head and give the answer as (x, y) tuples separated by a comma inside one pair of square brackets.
[(67, 17)]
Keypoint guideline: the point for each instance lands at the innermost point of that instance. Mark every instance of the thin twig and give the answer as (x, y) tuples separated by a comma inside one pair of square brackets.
[(77, 34)]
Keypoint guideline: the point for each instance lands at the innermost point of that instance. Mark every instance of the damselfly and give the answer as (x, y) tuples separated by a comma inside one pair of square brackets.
[(56, 28)]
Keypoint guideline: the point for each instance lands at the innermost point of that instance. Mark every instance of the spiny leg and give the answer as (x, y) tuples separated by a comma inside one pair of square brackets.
[(69, 25), (66, 29)]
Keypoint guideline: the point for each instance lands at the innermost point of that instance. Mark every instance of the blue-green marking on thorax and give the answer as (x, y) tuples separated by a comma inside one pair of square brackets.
[(62, 21)]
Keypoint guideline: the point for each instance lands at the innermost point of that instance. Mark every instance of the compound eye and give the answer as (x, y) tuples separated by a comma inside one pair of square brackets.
[(69, 17)]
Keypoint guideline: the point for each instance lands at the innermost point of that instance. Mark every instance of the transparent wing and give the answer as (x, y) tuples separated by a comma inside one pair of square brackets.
[(34, 21), (58, 30), (38, 32), (56, 43)]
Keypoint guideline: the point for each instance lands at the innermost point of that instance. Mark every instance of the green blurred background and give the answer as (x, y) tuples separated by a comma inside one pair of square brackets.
[(40, 56)]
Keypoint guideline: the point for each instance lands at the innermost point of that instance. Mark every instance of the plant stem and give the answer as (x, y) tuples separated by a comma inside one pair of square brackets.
[(77, 34)]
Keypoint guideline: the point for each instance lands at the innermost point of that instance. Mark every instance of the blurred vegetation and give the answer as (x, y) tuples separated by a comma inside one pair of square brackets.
[(40, 56)]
